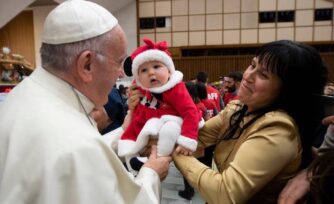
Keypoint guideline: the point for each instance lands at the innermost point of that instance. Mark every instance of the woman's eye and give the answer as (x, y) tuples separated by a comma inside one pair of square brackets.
[(253, 66), (264, 75)]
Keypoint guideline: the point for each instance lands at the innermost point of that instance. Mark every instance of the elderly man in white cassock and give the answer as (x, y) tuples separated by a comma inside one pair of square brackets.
[(50, 149)]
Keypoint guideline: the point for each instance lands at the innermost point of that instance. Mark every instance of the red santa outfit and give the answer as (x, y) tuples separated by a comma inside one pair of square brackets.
[(167, 112)]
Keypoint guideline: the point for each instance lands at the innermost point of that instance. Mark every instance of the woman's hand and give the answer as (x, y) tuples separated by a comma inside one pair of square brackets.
[(182, 150)]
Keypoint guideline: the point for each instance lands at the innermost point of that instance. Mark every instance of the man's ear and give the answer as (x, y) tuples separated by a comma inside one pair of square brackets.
[(84, 66)]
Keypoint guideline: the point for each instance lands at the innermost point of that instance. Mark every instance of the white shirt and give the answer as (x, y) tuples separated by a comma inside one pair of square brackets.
[(50, 153)]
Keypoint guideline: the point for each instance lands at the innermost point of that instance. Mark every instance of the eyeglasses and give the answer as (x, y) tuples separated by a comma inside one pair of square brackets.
[(119, 63)]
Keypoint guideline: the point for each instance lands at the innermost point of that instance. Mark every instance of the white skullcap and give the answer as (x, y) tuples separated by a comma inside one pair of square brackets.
[(76, 20)]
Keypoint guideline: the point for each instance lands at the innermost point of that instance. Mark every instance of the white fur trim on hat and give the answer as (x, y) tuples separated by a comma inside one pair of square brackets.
[(152, 55), (187, 142), (76, 20)]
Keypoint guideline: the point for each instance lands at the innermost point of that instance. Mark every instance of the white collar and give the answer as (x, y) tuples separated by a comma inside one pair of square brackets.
[(61, 89)]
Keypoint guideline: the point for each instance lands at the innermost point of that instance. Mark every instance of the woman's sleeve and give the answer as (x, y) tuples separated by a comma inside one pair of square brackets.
[(266, 151), (215, 127)]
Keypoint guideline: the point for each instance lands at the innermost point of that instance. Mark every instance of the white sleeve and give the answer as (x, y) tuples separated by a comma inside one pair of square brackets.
[(112, 137), (91, 174), (151, 186), (147, 178)]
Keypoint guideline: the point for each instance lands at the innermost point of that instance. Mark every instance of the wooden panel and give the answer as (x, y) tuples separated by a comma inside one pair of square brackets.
[(329, 61), (18, 35), (214, 66), (222, 65)]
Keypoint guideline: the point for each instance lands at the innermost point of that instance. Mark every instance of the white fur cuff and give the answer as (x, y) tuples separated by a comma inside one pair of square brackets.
[(187, 142), (126, 147)]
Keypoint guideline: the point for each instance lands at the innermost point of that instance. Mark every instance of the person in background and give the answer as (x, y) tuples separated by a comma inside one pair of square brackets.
[(124, 93), (213, 94), (112, 114), (210, 105), (311, 185), (321, 177), (329, 89), (192, 89), (50, 149), (265, 137), (232, 84)]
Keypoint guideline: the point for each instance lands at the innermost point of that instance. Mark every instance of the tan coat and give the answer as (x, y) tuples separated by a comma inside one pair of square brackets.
[(253, 168)]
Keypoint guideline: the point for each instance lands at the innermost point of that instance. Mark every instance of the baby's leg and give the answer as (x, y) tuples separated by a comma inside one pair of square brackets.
[(168, 135)]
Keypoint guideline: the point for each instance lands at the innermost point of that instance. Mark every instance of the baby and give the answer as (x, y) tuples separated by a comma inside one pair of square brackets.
[(166, 110)]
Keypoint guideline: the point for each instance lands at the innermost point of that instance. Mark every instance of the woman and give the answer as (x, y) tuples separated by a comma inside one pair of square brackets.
[(263, 139)]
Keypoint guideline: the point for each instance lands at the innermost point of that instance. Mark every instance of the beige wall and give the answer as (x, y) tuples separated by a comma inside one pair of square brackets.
[(226, 22), (40, 14)]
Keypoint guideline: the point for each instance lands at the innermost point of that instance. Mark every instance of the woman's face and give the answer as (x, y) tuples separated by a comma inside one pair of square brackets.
[(258, 88)]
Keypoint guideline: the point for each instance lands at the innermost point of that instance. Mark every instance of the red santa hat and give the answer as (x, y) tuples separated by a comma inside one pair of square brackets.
[(155, 52)]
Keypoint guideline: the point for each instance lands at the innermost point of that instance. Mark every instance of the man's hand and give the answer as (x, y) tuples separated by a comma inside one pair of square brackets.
[(295, 190), (134, 97), (153, 141), (158, 164)]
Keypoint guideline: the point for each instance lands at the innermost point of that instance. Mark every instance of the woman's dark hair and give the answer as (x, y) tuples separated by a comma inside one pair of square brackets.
[(303, 75), (321, 176)]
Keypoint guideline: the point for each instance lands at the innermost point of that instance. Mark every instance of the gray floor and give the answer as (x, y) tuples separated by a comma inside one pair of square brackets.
[(170, 187)]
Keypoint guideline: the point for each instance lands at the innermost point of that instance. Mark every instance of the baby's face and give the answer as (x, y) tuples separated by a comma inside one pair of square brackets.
[(153, 74)]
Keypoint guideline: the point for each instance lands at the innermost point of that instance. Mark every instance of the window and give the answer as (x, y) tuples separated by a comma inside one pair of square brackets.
[(323, 14), (146, 23), (285, 16), (276, 16), (160, 22), (267, 17), (149, 23)]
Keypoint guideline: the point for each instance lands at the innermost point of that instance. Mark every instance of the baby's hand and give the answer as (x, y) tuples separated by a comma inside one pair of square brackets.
[(182, 150)]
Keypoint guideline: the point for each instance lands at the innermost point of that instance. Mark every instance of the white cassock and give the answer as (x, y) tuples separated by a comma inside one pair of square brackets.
[(50, 153)]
